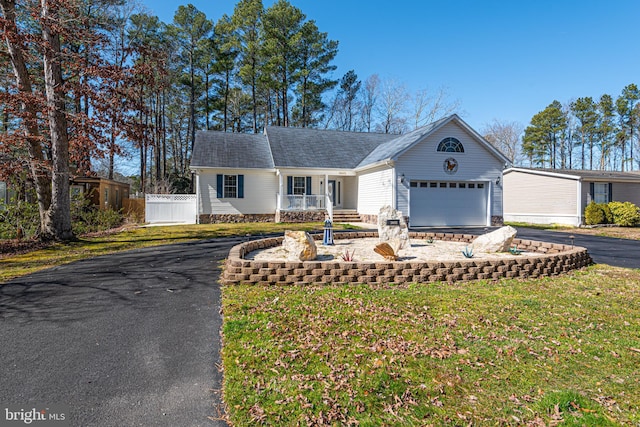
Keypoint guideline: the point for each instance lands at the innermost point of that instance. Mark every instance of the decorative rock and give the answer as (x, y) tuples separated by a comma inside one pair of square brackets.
[(299, 246), (496, 241), (397, 236)]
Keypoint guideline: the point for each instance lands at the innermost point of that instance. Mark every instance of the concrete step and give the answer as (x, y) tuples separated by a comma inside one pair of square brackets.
[(346, 216)]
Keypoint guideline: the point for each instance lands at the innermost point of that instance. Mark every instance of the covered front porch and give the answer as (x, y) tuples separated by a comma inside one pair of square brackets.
[(310, 195)]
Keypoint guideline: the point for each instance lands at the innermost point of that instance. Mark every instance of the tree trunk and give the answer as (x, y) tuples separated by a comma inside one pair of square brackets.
[(28, 110), (58, 219)]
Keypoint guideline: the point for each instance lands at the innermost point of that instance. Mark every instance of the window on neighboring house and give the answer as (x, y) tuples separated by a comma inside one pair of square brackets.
[(230, 186), (450, 145), (601, 192)]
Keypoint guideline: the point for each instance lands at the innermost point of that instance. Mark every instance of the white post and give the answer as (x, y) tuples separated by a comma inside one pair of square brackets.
[(197, 197), (279, 199), (327, 200)]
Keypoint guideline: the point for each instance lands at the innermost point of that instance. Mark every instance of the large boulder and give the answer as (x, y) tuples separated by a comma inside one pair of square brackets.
[(497, 241), (392, 229), (299, 246)]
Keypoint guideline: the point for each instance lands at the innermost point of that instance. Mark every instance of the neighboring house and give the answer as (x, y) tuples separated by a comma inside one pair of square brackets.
[(547, 196), (443, 174), (103, 193)]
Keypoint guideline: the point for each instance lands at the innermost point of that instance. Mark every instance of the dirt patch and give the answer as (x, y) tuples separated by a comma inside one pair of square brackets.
[(631, 233), (13, 247)]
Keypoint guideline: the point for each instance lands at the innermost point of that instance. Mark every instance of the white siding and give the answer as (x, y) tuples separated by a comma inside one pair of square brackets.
[(541, 199), (260, 189), (526, 193), (350, 193), (375, 189), (424, 162)]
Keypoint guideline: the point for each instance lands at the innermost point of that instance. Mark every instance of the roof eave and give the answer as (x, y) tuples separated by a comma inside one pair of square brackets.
[(385, 162), (543, 173), (197, 168)]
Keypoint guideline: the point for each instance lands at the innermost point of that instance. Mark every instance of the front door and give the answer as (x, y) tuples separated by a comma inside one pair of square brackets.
[(334, 192)]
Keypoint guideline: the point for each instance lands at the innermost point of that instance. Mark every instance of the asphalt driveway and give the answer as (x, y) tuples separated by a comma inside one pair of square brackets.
[(603, 250), (133, 339)]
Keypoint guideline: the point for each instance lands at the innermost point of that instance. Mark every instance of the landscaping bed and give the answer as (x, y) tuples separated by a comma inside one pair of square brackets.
[(540, 259)]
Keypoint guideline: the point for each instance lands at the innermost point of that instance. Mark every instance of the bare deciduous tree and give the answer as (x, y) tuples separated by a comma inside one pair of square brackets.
[(505, 136), (392, 107), (429, 107)]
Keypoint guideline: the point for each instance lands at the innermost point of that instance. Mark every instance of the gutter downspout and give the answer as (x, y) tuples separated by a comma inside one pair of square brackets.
[(197, 196), (394, 184), (579, 201), (490, 202)]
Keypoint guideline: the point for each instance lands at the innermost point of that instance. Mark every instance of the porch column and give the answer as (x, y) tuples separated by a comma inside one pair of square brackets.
[(279, 196), (327, 200)]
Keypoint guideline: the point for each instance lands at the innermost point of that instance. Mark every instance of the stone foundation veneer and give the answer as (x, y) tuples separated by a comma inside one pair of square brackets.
[(549, 259), (234, 218), (300, 216)]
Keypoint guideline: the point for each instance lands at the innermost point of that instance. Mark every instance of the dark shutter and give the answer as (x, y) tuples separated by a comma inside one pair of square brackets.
[(219, 189), (240, 186), (610, 192), (289, 185), (592, 190), (308, 185)]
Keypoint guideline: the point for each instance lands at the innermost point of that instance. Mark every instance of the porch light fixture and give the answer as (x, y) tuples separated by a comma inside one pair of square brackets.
[(498, 181), (402, 179)]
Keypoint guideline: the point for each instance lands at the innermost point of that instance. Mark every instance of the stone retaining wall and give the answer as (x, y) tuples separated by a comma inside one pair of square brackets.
[(549, 259), (496, 221)]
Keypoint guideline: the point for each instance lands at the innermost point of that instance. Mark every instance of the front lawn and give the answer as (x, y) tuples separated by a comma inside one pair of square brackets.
[(555, 351)]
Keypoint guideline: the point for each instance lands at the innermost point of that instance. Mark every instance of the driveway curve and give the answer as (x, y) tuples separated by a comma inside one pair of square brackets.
[(130, 339), (603, 250), (133, 339)]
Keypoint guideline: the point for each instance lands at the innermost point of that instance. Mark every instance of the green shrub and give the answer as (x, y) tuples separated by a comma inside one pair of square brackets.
[(594, 214), (625, 214), (19, 218), (608, 216), (87, 218)]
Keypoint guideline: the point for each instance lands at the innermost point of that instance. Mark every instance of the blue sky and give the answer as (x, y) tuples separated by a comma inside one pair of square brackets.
[(503, 60)]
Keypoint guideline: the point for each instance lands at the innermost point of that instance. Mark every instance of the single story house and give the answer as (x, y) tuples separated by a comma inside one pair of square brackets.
[(103, 193), (555, 196), (443, 174)]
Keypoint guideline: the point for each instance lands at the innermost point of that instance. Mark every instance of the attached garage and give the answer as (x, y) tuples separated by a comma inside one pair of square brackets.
[(448, 203)]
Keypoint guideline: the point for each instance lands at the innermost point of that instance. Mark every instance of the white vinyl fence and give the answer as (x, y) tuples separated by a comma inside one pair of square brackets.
[(180, 208)]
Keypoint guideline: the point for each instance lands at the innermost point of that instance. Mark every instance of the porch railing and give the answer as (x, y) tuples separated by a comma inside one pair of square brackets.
[(291, 202)]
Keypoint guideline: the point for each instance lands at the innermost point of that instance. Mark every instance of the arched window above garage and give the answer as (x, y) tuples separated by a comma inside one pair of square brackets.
[(450, 145)]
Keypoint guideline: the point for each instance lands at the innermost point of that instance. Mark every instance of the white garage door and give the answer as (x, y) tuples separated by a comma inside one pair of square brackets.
[(444, 203)]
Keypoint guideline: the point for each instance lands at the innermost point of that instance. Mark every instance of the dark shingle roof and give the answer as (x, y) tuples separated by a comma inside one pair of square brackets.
[(231, 150), (400, 143), (282, 147), (314, 148)]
